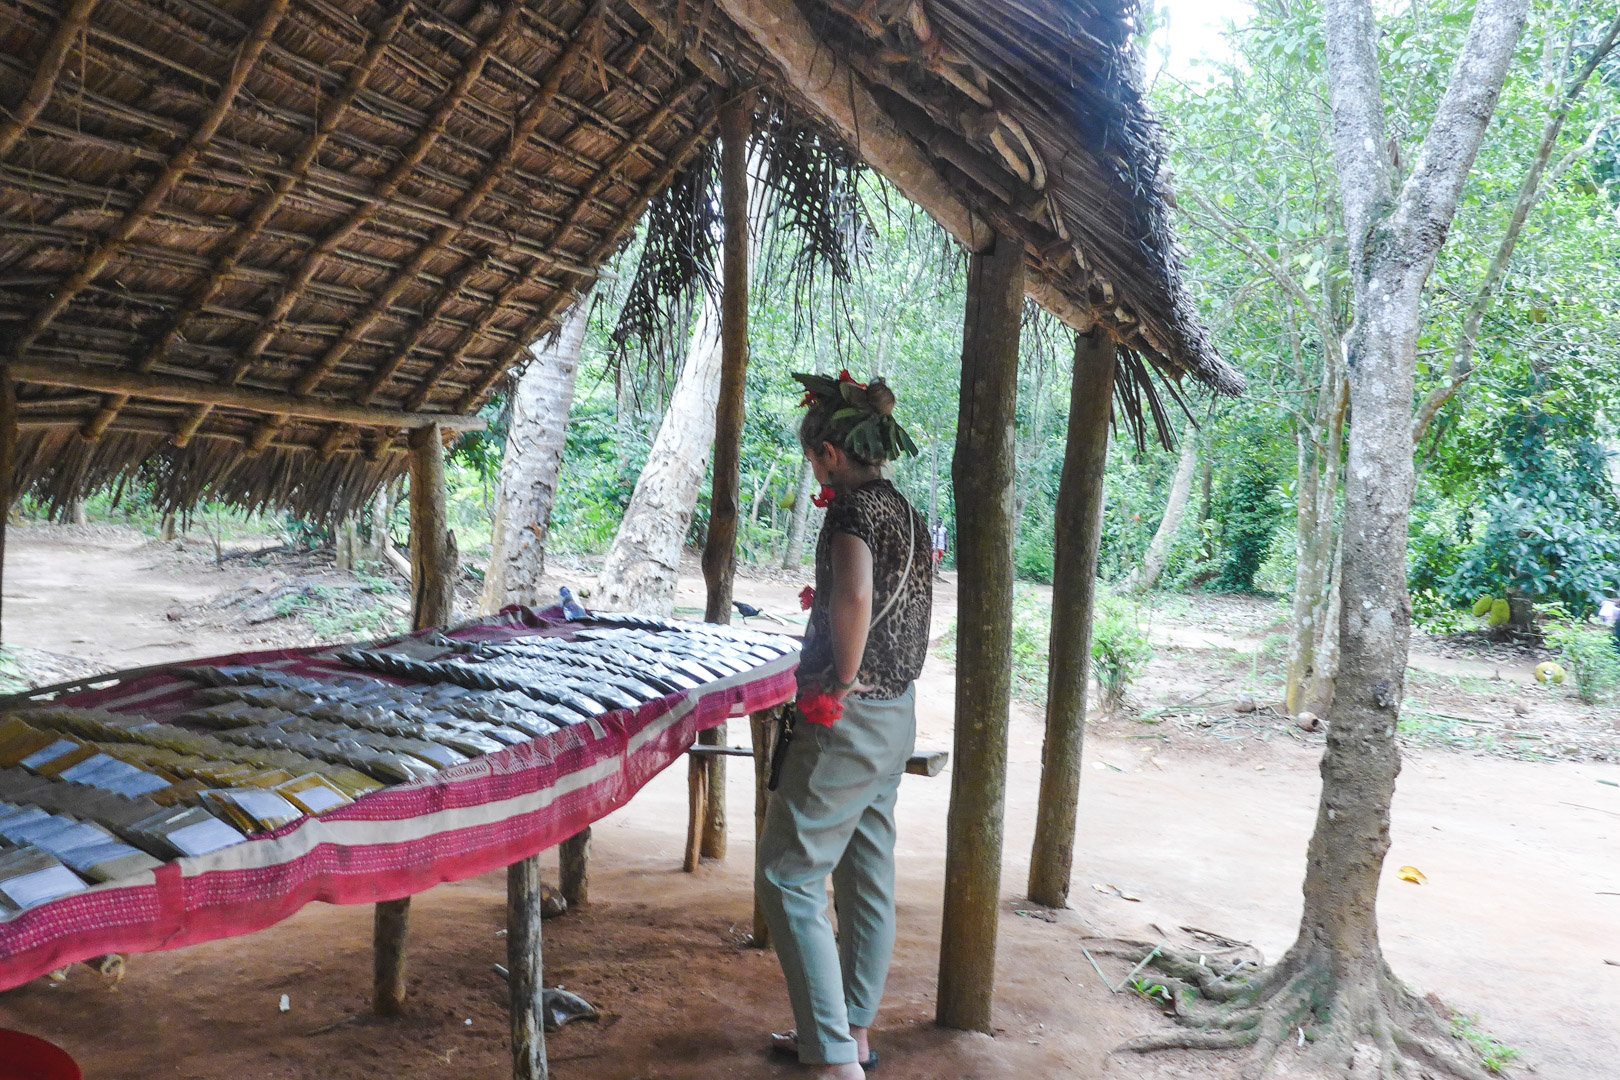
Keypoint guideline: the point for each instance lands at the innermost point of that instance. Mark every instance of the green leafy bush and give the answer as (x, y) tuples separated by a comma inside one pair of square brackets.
[(1120, 649), (1592, 658), (1248, 510)]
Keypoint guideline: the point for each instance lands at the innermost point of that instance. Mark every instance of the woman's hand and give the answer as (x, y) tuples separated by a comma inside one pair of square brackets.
[(839, 693)]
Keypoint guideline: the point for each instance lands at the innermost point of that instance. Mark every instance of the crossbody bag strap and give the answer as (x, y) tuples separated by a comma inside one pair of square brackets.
[(905, 575)]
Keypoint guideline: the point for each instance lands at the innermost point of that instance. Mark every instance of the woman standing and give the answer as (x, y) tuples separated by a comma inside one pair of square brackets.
[(833, 810)]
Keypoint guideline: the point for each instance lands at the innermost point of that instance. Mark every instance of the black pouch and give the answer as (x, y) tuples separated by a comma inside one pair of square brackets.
[(784, 739)]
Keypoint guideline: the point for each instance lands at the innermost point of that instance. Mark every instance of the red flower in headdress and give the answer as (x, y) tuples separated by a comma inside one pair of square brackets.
[(845, 376), (809, 399), (824, 496), (807, 598), (820, 708)]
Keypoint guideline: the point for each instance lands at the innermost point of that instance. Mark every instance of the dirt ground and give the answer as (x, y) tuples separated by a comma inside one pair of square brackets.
[(1196, 810)]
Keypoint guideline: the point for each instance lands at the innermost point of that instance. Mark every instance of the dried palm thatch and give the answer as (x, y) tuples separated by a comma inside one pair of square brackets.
[(246, 244)]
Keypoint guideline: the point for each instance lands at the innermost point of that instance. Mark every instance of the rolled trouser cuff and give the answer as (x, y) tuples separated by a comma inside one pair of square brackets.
[(861, 1017), (838, 1053)]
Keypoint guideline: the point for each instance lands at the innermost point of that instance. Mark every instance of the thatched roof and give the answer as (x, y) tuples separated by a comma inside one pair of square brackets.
[(244, 244)]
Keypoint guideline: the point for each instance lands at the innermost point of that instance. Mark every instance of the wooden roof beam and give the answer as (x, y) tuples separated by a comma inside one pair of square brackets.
[(528, 121), (94, 263), (831, 87), (604, 175), (160, 388), (49, 67)]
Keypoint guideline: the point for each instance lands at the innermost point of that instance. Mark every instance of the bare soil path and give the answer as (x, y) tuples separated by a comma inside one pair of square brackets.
[(1205, 827)]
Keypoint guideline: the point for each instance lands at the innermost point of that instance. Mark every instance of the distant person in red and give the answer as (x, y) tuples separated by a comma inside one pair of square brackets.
[(942, 539)]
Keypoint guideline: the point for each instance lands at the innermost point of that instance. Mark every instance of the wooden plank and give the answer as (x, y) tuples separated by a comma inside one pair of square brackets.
[(928, 762), (390, 925), (1078, 534), (574, 868), (525, 970), (982, 473), (433, 548), (162, 388)]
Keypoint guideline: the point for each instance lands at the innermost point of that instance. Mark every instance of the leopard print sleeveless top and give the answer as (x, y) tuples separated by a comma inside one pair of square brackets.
[(878, 515)]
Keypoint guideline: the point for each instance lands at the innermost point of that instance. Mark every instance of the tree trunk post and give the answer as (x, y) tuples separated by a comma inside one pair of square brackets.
[(720, 549), (8, 461), (574, 868), (390, 923), (1078, 534), (763, 728), (524, 970), (433, 549), (697, 800), (432, 593), (982, 476)]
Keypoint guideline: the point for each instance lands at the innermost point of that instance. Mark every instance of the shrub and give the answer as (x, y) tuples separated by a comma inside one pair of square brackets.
[(1120, 649), (1593, 660)]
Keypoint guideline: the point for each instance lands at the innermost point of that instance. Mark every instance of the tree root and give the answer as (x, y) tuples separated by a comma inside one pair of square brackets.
[(1355, 1021)]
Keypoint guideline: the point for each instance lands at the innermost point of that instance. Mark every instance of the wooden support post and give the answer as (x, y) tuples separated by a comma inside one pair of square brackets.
[(1078, 532), (982, 474), (574, 868), (720, 549), (8, 463), (697, 785), (390, 921), (433, 548), (525, 971), (764, 728), (432, 594)]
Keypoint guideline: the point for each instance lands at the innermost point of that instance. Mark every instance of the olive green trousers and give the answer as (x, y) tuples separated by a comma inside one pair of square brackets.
[(832, 814)]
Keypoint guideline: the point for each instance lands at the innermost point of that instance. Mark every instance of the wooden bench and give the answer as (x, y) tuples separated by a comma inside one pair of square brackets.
[(921, 763)]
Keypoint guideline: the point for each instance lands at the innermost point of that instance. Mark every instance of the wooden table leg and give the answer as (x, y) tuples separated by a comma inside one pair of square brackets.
[(390, 926), (524, 970), (697, 784), (574, 868), (763, 727)]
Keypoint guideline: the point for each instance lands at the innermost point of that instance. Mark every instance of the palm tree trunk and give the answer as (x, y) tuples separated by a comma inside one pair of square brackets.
[(1146, 576), (532, 466)]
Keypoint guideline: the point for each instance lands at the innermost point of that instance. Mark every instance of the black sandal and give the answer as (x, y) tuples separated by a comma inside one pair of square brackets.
[(786, 1043)]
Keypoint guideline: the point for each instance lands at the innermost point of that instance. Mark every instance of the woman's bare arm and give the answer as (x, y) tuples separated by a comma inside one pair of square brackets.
[(851, 609)]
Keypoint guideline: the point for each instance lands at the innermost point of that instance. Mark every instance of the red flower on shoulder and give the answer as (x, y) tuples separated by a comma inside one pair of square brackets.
[(809, 399), (824, 496), (807, 598), (820, 708)]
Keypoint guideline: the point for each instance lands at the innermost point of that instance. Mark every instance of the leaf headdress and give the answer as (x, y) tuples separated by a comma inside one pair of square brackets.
[(862, 414)]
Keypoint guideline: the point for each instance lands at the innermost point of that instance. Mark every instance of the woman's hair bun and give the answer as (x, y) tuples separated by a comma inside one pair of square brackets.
[(880, 397)]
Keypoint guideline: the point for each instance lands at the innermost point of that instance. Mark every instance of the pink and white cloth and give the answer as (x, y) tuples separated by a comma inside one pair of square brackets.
[(467, 820)]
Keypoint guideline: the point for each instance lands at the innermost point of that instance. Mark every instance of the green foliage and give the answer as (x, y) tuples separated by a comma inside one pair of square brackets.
[(1548, 527), (1247, 508), (1593, 657), (1495, 1055), (1120, 648)]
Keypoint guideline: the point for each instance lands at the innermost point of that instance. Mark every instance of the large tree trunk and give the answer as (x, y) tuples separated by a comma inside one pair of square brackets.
[(1145, 576), (1393, 239), (793, 557), (644, 561), (532, 465), (1333, 984)]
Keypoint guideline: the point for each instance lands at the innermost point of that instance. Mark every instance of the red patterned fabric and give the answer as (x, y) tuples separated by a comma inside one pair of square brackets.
[(480, 816)]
